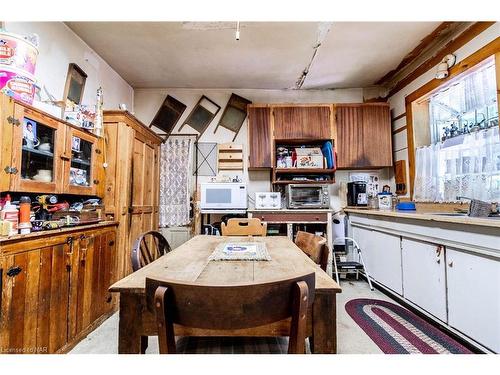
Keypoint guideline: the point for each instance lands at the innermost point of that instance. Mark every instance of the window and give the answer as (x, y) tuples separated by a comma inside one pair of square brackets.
[(461, 154)]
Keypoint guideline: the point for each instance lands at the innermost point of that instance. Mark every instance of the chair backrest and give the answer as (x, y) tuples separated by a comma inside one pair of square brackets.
[(148, 247), (244, 227), (314, 246), (230, 307)]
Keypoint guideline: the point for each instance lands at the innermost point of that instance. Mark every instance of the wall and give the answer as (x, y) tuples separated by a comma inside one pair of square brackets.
[(397, 101), (147, 102), (59, 47)]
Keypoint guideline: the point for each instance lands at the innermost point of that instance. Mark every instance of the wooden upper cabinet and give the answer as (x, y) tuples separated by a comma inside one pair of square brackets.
[(259, 137), (302, 122), (364, 138)]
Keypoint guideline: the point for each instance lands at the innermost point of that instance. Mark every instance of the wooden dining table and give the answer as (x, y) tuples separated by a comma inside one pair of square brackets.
[(189, 262)]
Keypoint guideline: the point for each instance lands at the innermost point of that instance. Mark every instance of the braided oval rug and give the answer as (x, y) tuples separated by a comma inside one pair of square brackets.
[(397, 330)]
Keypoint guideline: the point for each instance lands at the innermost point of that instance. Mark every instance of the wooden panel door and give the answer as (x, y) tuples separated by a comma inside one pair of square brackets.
[(302, 122), (37, 163), (424, 276), (473, 297), (377, 136), (34, 303), (259, 137), (349, 142)]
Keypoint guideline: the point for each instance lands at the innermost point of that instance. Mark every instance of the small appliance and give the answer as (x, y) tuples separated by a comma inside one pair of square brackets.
[(223, 196), (307, 196), (268, 200), (356, 194)]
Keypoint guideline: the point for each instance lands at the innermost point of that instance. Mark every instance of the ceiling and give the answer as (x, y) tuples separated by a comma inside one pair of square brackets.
[(269, 55)]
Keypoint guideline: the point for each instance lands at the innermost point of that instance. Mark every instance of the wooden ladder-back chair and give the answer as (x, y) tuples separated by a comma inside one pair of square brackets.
[(147, 248), (230, 307), (244, 227), (314, 246)]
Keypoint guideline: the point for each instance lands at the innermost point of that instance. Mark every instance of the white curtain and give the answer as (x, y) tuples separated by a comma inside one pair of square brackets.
[(175, 177), (470, 168)]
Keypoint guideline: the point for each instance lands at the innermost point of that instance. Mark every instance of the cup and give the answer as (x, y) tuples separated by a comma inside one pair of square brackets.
[(31, 143)]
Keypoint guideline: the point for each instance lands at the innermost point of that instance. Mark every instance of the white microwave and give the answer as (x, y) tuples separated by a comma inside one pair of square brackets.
[(223, 196)]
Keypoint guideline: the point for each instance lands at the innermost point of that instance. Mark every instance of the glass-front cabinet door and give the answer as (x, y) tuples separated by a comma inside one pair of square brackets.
[(81, 160), (37, 146)]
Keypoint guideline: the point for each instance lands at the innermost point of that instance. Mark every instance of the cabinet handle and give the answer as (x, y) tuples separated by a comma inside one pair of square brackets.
[(450, 264), (65, 157), (14, 271), (439, 249), (111, 243), (96, 182), (97, 151)]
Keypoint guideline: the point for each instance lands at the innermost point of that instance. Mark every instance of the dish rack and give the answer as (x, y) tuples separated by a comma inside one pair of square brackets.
[(478, 208)]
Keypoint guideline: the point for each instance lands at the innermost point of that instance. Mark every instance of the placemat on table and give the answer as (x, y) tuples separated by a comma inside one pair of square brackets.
[(240, 251)]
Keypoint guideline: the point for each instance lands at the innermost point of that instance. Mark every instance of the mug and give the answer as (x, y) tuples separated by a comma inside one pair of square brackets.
[(44, 147)]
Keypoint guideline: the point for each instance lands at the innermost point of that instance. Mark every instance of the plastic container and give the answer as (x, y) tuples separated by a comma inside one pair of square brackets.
[(10, 214), (385, 201), (18, 52), (406, 206), (18, 84), (24, 215)]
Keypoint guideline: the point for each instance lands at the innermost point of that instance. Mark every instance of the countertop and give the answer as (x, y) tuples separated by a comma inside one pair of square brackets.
[(419, 215), (55, 232), (293, 210)]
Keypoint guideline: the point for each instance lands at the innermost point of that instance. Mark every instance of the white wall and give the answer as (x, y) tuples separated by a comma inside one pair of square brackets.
[(59, 47), (147, 102), (397, 101)]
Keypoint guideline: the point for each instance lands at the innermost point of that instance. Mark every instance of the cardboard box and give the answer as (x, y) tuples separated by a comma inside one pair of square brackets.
[(310, 158)]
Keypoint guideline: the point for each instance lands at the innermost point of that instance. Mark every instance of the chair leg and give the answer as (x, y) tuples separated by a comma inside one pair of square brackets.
[(144, 344)]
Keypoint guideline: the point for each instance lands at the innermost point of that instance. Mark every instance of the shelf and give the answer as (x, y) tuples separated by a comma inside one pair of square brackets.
[(81, 162), (38, 152), (304, 170), (301, 182)]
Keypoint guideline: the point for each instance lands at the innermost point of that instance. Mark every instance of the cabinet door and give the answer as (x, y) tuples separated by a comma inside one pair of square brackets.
[(382, 255), (34, 303), (349, 141), (302, 122), (377, 136), (424, 279), (364, 138), (37, 146), (473, 296), (259, 137), (80, 174)]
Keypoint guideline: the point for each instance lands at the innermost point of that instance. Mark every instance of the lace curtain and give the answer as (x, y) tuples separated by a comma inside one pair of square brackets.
[(470, 168), (175, 157)]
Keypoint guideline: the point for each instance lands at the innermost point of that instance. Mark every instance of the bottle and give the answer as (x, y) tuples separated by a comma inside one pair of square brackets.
[(24, 215), (9, 213)]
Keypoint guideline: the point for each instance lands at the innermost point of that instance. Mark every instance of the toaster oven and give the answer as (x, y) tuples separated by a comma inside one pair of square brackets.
[(307, 196)]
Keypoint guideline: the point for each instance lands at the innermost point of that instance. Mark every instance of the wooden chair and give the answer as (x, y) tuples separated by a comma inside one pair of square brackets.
[(244, 227), (314, 246), (147, 248), (230, 307)]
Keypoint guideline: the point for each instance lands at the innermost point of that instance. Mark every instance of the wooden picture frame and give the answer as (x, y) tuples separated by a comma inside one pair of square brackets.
[(168, 115), (202, 115), (75, 84), (234, 114)]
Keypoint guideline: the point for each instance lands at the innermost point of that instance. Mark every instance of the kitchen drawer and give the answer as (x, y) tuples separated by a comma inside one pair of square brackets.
[(291, 217)]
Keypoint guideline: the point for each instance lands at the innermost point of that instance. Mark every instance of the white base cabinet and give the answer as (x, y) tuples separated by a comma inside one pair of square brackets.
[(382, 255), (474, 296), (424, 276)]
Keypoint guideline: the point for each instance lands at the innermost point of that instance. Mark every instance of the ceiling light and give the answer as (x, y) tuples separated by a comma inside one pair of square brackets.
[(237, 31), (447, 62)]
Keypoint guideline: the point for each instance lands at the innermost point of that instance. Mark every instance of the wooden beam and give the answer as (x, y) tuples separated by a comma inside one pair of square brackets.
[(453, 45), (399, 130), (443, 28), (398, 117)]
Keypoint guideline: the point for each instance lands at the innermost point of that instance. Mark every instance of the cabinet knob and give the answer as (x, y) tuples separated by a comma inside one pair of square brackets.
[(96, 182), (450, 263), (14, 271), (111, 243)]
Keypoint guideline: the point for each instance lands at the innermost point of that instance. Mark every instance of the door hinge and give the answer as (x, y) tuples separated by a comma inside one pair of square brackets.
[(13, 121), (10, 170)]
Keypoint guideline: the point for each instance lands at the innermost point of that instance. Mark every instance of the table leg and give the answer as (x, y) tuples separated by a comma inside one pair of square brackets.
[(324, 324), (129, 331)]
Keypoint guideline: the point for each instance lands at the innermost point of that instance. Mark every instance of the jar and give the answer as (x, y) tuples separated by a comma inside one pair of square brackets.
[(385, 201), (372, 202)]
